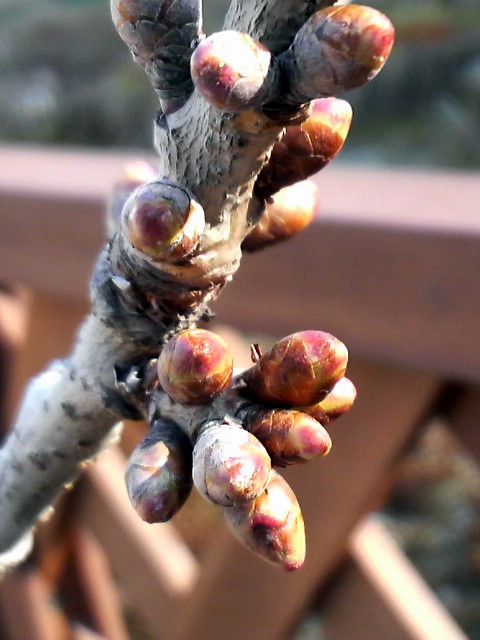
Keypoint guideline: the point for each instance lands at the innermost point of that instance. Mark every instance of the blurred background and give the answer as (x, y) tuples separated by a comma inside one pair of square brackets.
[(66, 80)]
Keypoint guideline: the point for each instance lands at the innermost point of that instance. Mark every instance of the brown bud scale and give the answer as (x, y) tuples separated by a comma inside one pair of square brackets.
[(335, 404)]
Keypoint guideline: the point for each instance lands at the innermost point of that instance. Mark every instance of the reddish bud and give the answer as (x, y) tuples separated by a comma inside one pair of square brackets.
[(338, 48), (135, 175), (195, 366), (232, 71), (307, 148), (271, 525), (229, 464), (158, 474), (289, 436), (299, 369), (336, 403), (292, 209), (163, 220)]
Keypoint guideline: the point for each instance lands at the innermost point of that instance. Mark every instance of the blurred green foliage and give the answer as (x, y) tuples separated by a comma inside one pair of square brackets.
[(66, 78)]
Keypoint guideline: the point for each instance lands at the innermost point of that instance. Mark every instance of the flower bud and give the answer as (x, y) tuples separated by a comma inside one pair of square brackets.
[(336, 403), (229, 464), (299, 369), (135, 175), (195, 366), (163, 220), (232, 71), (159, 472), (305, 149), (338, 48), (271, 525), (292, 209), (289, 436)]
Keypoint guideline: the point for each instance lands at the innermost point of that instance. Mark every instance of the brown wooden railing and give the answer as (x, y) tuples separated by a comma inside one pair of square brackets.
[(392, 266)]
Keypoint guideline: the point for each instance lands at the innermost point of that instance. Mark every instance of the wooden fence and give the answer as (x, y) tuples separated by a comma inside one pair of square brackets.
[(392, 266)]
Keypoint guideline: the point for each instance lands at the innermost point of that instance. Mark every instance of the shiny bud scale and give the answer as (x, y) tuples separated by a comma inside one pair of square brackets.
[(271, 525), (291, 210), (338, 48), (299, 369), (195, 366), (163, 221), (232, 71), (289, 436), (159, 472), (305, 149), (335, 404), (229, 464)]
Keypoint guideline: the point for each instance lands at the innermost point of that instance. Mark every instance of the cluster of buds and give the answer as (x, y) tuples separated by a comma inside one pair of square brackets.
[(293, 391)]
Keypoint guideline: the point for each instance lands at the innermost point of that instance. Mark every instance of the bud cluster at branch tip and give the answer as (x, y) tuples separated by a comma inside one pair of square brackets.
[(159, 472), (229, 464), (300, 369), (338, 48), (163, 221), (271, 525), (233, 71), (195, 366)]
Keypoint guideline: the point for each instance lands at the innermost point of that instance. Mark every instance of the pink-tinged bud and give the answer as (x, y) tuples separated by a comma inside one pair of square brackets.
[(233, 71), (338, 48), (229, 464), (163, 221), (135, 175), (299, 369), (305, 149), (159, 472), (195, 366), (336, 403), (271, 525), (289, 436), (291, 210)]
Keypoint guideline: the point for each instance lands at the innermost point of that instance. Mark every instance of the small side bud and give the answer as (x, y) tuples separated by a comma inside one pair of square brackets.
[(229, 464), (233, 71), (195, 366), (338, 48), (292, 209), (134, 175), (335, 404), (159, 472), (163, 220), (299, 369), (305, 149), (289, 436), (271, 525)]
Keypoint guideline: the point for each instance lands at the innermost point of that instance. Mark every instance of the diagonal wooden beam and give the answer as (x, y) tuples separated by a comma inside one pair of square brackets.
[(380, 594)]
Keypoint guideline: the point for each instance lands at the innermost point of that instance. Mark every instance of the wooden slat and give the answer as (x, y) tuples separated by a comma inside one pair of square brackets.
[(51, 329), (465, 420), (387, 265), (27, 611), (97, 584), (13, 324), (379, 594), (238, 596), (153, 565)]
